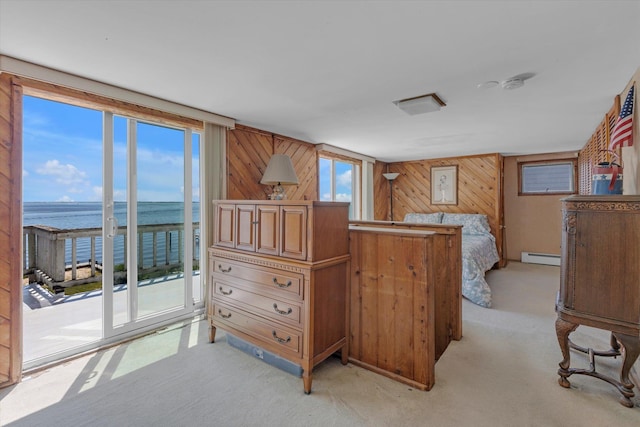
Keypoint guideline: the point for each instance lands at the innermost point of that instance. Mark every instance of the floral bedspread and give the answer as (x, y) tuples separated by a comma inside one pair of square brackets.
[(479, 254)]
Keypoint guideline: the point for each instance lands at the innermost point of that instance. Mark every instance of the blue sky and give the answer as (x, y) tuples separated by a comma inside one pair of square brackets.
[(62, 156)]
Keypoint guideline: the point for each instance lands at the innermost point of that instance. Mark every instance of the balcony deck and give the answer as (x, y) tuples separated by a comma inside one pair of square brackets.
[(55, 323)]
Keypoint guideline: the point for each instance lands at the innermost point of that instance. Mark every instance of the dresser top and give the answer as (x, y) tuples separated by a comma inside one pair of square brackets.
[(285, 202), (594, 203), (618, 198)]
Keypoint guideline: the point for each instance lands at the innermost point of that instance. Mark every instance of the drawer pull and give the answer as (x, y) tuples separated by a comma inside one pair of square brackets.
[(225, 293), (280, 340), (281, 285), (284, 313), (223, 270), (227, 316)]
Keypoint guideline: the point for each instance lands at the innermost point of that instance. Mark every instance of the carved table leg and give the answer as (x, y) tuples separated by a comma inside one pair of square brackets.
[(563, 329), (212, 333), (615, 345), (631, 345)]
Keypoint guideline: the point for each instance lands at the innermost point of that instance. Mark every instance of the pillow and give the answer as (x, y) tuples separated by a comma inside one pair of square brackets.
[(471, 223), (424, 218)]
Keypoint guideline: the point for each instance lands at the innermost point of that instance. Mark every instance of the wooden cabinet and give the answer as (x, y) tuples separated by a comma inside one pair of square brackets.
[(270, 229), (278, 278), (600, 282), (405, 299)]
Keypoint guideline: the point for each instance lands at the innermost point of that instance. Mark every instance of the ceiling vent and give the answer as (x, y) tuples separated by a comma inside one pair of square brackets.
[(513, 83), (420, 104)]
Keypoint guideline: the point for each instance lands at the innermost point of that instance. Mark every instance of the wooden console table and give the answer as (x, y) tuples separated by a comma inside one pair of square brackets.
[(600, 282)]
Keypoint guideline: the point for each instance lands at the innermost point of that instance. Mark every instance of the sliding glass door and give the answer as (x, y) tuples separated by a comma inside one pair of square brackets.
[(111, 228), (150, 238)]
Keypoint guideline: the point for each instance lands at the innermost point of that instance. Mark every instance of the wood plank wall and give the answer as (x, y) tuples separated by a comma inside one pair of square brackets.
[(479, 178), (248, 153), (11, 232), (593, 151), (381, 208), (479, 190)]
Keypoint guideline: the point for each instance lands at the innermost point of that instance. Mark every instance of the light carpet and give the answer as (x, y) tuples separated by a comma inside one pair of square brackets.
[(502, 373)]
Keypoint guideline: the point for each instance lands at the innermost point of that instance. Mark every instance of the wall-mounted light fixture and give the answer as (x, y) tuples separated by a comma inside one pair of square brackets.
[(390, 177), (279, 172)]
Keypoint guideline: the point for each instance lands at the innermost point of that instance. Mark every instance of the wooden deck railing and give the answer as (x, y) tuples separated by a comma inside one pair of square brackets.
[(53, 251)]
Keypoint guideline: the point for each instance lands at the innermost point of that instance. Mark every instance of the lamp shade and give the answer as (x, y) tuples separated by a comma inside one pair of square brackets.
[(279, 171), (391, 175)]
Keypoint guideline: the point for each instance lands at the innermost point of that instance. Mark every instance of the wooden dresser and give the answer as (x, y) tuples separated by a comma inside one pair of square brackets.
[(600, 282), (406, 298), (279, 272)]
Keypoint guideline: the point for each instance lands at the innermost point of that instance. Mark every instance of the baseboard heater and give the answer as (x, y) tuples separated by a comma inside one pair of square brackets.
[(267, 356), (535, 258)]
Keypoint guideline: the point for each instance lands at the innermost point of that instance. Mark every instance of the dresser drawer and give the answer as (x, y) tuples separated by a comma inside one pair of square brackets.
[(286, 339), (282, 282), (265, 305)]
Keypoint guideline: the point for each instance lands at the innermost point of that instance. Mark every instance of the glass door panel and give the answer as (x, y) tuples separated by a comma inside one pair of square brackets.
[(118, 220), (62, 220), (162, 225), (149, 226)]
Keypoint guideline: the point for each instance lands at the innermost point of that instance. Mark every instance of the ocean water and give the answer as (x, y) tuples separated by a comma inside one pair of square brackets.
[(79, 215)]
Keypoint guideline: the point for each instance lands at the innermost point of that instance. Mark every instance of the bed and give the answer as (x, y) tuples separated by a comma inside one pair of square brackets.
[(479, 252)]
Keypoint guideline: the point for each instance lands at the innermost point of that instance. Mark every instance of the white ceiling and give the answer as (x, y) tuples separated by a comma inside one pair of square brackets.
[(328, 71)]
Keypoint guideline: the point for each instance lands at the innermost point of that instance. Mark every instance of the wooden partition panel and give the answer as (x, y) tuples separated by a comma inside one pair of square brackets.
[(248, 154), (11, 232), (479, 189), (405, 298)]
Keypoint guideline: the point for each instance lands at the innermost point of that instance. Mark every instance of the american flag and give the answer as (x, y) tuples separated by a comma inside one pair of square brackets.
[(622, 135)]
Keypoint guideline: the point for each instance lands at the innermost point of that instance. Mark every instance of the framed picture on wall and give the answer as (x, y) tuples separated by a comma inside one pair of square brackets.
[(444, 185)]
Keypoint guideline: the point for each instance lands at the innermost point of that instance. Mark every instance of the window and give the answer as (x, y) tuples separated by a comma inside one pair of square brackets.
[(339, 182), (547, 177)]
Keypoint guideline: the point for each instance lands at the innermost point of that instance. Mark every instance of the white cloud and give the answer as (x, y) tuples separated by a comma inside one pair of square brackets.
[(343, 197), (97, 192), (33, 119), (157, 158), (64, 174), (119, 195), (340, 197), (344, 178), (25, 173), (65, 199)]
